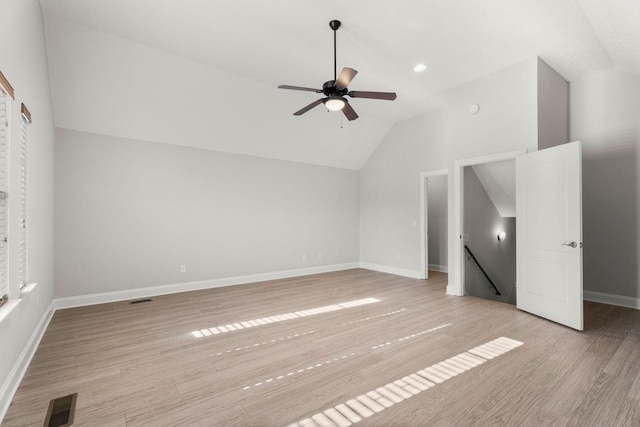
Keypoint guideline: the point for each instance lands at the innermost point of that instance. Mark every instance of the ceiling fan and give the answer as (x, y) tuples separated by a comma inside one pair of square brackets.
[(335, 90)]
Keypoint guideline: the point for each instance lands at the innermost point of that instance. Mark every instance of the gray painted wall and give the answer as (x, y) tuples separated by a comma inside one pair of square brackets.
[(482, 223), (390, 192), (389, 181), (605, 116), (437, 219), (23, 62), (130, 213), (553, 107)]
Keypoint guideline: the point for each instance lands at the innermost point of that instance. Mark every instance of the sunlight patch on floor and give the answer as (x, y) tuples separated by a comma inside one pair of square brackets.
[(374, 401), (207, 332)]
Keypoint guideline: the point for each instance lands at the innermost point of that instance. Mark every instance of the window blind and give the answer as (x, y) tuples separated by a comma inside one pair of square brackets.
[(5, 104), (23, 254)]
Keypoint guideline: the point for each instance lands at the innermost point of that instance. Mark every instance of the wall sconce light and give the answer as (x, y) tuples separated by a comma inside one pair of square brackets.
[(502, 235)]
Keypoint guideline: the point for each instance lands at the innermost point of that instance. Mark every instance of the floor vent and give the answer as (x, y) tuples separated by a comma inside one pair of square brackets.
[(61, 411), (138, 301)]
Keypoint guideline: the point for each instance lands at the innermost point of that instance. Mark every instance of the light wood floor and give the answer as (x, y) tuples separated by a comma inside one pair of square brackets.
[(135, 365)]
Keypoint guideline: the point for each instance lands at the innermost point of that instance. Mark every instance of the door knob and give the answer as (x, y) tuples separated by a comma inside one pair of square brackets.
[(572, 244)]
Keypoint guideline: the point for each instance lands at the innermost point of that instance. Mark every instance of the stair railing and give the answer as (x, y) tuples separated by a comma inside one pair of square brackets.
[(482, 269)]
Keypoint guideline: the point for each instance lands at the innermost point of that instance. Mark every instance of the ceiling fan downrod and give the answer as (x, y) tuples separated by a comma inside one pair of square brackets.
[(335, 24)]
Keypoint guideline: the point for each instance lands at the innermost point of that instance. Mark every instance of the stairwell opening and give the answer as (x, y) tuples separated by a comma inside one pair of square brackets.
[(489, 231)]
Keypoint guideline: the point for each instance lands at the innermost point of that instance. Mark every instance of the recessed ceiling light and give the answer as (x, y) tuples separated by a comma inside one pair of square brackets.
[(419, 68)]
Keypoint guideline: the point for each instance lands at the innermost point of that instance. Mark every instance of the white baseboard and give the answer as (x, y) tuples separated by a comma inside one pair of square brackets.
[(612, 299), (129, 294), (391, 270), (11, 383), (440, 268)]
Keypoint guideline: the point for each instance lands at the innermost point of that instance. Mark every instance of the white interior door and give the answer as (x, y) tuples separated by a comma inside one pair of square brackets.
[(549, 234)]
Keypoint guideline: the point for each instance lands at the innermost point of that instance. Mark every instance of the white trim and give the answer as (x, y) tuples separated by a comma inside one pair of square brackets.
[(124, 295), (619, 300), (391, 270), (440, 268), (11, 383), (8, 308), (456, 278), (424, 274), (451, 290)]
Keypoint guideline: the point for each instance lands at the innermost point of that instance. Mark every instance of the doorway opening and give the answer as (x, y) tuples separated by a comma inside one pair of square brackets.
[(459, 254), (489, 230), (434, 228)]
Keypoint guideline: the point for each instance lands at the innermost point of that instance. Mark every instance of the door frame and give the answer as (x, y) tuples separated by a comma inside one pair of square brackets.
[(424, 211), (456, 246)]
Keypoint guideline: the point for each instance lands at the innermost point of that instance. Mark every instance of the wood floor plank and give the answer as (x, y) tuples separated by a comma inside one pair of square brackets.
[(634, 390), (575, 383), (144, 364)]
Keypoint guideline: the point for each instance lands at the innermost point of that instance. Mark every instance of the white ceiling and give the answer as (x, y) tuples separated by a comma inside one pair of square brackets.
[(252, 46)]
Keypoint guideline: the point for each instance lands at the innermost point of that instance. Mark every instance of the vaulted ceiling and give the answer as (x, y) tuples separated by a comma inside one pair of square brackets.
[(204, 73)]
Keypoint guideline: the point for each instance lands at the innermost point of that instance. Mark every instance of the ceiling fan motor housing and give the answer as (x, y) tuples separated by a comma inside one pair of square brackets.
[(330, 89)]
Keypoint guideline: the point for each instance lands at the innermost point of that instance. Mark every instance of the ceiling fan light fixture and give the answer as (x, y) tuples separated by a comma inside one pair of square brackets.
[(335, 103)]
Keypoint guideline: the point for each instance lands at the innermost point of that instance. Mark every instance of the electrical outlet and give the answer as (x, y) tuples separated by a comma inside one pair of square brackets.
[(183, 268), (319, 255), (414, 223), (304, 257)]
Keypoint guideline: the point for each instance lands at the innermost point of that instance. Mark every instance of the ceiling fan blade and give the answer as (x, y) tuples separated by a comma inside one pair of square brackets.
[(346, 75), (308, 107), (390, 96), (308, 89), (349, 112)]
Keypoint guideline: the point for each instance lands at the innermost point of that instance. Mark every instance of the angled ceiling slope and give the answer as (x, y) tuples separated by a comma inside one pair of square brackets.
[(215, 66), (499, 181)]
